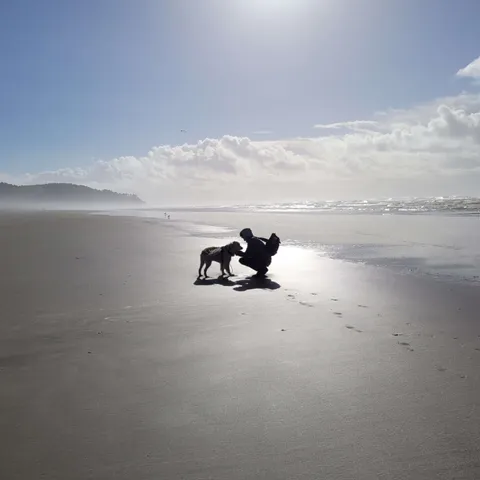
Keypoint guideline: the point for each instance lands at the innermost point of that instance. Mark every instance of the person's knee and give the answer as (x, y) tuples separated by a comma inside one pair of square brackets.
[(249, 262)]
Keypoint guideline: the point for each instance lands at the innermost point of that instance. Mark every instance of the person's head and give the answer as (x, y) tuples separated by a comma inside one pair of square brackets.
[(246, 233)]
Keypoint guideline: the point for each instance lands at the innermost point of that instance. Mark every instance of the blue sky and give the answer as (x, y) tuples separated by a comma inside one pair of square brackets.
[(101, 79)]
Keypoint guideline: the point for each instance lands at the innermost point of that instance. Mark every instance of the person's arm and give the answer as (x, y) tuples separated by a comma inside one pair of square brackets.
[(263, 239), (244, 252)]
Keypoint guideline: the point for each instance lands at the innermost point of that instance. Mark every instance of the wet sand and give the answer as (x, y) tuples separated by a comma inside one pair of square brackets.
[(115, 363)]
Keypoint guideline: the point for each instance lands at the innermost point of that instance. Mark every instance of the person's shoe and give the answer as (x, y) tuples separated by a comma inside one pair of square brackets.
[(261, 273)]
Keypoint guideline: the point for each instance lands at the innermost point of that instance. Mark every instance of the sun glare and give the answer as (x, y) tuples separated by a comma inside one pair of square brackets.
[(272, 9), (272, 5)]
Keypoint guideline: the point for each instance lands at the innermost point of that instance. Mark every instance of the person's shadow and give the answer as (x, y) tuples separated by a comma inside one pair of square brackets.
[(249, 283), (252, 283)]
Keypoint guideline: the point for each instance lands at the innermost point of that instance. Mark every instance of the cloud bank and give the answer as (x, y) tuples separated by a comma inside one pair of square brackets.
[(431, 149)]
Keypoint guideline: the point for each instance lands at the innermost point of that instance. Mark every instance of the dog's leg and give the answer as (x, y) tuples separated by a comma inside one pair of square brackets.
[(221, 261), (227, 266), (207, 266), (202, 263)]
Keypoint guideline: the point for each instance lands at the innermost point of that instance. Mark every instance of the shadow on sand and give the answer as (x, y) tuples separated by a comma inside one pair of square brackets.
[(249, 283), (252, 283), (224, 281)]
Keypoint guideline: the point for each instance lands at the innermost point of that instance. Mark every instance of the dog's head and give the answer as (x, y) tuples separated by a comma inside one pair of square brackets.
[(233, 248)]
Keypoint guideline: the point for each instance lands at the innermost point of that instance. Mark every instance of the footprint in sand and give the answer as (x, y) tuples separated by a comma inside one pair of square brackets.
[(351, 327), (406, 344), (338, 314), (477, 349), (334, 299), (291, 297), (362, 306), (314, 294), (306, 304), (397, 334), (443, 369)]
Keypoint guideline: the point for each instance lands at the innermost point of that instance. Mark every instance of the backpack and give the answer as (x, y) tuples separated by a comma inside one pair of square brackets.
[(273, 244)]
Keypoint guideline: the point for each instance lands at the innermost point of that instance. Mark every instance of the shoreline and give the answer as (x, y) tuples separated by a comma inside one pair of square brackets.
[(416, 257)]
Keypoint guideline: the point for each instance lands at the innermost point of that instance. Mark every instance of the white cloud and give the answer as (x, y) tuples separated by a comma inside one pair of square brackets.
[(472, 70), (357, 125), (433, 148)]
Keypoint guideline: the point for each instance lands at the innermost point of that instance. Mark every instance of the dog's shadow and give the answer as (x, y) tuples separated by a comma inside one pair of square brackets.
[(224, 281), (249, 283)]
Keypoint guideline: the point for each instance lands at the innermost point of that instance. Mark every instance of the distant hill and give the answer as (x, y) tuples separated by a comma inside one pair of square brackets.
[(62, 195)]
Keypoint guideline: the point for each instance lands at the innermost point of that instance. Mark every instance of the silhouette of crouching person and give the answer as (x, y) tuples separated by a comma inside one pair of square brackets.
[(256, 255)]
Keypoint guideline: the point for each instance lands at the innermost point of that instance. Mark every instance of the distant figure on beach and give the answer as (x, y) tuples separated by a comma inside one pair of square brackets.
[(169, 217), (258, 255)]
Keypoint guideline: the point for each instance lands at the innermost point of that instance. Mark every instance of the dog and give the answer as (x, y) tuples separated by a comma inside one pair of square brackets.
[(222, 255)]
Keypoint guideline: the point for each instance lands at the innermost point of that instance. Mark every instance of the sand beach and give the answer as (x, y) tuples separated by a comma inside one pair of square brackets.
[(117, 363)]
